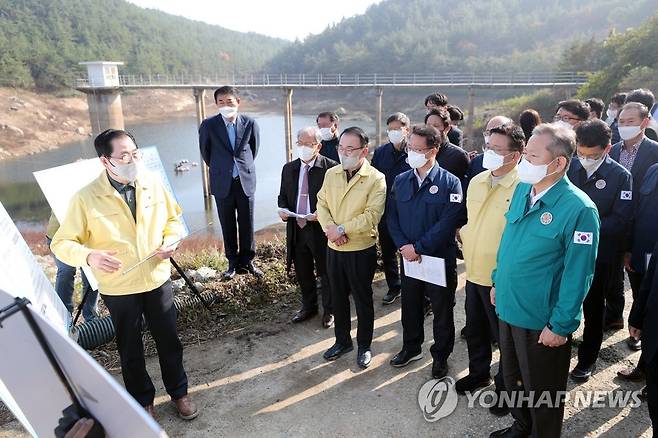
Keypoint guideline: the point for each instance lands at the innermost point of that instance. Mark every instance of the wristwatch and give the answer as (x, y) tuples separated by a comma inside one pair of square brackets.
[(341, 229)]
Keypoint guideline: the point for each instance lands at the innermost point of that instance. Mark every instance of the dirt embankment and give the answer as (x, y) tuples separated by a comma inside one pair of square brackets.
[(31, 122)]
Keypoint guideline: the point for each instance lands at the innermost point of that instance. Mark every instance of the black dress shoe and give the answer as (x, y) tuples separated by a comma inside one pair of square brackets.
[(327, 320), (391, 296), (253, 270), (634, 344), (509, 432), (337, 351), (581, 374), (498, 410), (472, 383), (613, 325), (632, 375), (439, 369), (303, 315), (229, 273), (404, 358), (364, 357)]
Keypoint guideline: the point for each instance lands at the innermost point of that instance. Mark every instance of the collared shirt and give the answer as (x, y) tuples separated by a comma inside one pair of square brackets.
[(627, 156), (300, 181), (593, 171), (538, 196), (231, 130), (486, 205), (127, 192), (419, 179)]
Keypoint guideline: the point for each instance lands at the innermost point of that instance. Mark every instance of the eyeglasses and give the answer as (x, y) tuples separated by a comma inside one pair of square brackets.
[(312, 145), (421, 151), (345, 150), (129, 157), (591, 157), (506, 152), (567, 119)]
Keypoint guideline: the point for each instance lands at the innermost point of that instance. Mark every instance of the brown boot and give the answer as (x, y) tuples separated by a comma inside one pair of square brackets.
[(187, 409), (150, 410)]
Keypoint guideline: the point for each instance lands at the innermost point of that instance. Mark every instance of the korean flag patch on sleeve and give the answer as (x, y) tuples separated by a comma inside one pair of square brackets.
[(583, 238), (455, 197), (626, 195)]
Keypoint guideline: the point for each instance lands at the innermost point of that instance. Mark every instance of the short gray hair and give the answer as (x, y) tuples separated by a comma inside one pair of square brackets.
[(563, 140), (313, 131)]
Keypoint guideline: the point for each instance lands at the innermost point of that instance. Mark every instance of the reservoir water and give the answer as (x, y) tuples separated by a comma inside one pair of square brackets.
[(175, 139)]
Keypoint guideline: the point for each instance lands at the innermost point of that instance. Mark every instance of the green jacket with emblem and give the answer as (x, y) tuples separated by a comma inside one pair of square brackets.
[(545, 262)]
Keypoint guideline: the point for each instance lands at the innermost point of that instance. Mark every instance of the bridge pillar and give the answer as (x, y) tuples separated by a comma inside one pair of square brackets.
[(200, 105), (287, 119), (469, 144), (380, 105), (105, 110)]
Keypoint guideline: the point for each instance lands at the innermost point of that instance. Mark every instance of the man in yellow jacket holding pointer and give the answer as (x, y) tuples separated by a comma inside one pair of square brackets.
[(118, 220)]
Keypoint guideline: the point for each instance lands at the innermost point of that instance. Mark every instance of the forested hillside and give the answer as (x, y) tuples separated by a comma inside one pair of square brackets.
[(42, 41), (467, 35)]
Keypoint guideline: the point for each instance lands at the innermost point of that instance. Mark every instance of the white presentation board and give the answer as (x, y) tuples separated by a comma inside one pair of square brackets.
[(60, 183), (37, 389)]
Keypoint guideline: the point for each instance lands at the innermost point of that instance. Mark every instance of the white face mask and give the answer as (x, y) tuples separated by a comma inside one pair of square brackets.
[(563, 124), (629, 132), (326, 134), (589, 164), (228, 111), (128, 172), (493, 161), (612, 114), (305, 154), (416, 159), (395, 136), (486, 139), (349, 163), (532, 174)]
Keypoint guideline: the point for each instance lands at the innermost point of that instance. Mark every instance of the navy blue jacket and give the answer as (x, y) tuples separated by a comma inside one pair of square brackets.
[(647, 156), (644, 233), (329, 150), (614, 127), (455, 136), (218, 154), (475, 168), (644, 312), (610, 187), (425, 219), (455, 160), (390, 162)]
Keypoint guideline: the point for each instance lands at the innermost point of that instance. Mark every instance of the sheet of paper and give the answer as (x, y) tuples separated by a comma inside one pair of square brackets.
[(293, 214), (429, 269)]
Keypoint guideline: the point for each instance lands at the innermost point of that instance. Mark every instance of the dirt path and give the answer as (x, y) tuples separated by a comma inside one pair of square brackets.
[(270, 380)]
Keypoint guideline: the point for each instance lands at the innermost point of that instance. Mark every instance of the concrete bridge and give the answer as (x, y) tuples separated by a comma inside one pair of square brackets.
[(104, 86)]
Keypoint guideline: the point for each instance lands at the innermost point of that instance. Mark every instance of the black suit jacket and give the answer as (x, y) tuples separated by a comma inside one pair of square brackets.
[(647, 156), (219, 155), (288, 197), (644, 312)]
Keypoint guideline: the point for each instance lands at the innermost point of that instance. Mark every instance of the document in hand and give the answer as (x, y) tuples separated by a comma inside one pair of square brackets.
[(429, 269), (293, 214)]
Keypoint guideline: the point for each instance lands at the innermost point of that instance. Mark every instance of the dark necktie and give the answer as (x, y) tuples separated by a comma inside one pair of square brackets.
[(128, 193)]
